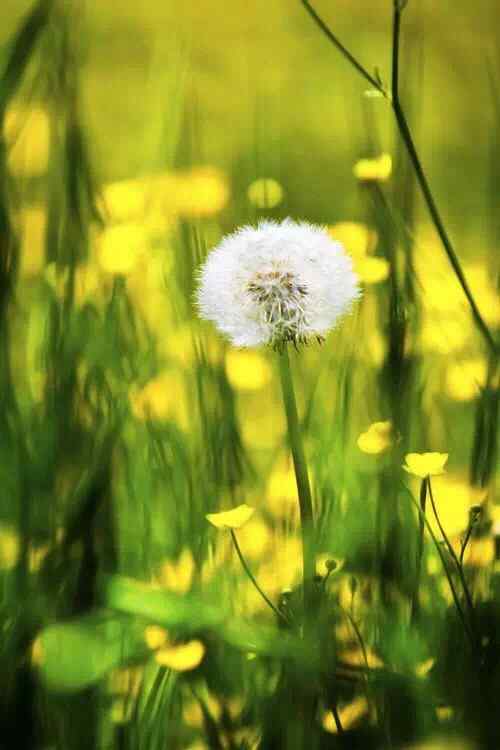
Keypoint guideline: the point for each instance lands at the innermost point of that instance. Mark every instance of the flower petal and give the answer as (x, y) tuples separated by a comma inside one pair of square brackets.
[(425, 464), (181, 658), (231, 519)]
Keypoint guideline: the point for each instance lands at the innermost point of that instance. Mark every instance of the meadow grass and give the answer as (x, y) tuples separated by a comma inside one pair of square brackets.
[(131, 142)]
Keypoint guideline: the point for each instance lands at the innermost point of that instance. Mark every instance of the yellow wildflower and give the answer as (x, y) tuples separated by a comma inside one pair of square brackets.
[(425, 464), (27, 132), (183, 657), (377, 438), (155, 636), (247, 370), (372, 270), (358, 239), (231, 519), (177, 576), (265, 192), (371, 170), (465, 379)]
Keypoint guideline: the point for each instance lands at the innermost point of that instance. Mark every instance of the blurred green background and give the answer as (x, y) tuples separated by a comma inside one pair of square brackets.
[(135, 137)]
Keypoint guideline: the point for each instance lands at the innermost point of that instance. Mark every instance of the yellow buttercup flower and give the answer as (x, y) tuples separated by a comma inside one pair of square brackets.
[(372, 270), (155, 636), (181, 658), (265, 192), (372, 170), (377, 438), (465, 379), (358, 239), (231, 519), (27, 132), (178, 576), (247, 370), (121, 247), (425, 464)]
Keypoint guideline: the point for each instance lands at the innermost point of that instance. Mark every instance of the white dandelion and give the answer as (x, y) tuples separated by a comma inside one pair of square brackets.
[(276, 283)]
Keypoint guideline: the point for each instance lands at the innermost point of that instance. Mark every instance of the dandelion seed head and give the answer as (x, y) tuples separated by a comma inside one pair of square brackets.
[(276, 283)]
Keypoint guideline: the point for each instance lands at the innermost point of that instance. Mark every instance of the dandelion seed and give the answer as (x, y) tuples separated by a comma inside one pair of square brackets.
[(277, 284)]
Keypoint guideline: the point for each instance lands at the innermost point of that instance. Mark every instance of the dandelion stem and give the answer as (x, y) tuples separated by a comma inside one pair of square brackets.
[(301, 477), (252, 578), (408, 141)]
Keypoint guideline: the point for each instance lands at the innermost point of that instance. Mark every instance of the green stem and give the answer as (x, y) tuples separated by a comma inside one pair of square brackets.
[(301, 477), (449, 545), (407, 138), (343, 50), (465, 543), (420, 549), (249, 573), (445, 567)]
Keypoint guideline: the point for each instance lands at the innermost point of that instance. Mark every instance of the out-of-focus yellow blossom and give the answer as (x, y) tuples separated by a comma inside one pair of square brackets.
[(425, 464), (283, 565), (89, 282), (442, 743), (465, 379), (349, 714), (183, 657), (178, 575), (121, 711), (139, 200), (484, 291), (423, 669), (161, 398), (356, 658), (262, 430), (197, 192), (27, 132), (377, 438), (480, 552), (444, 713), (231, 519), (373, 170), (125, 200), (36, 556), (358, 239), (372, 270), (10, 547), (125, 681), (192, 713), (254, 538), (36, 652), (32, 224), (281, 492), (121, 246), (444, 335), (441, 290), (454, 497), (247, 370), (155, 636), (265, 192)]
